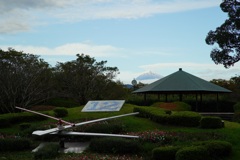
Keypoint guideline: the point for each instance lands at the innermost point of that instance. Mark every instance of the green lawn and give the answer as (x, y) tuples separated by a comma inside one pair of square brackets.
[(230, 133)]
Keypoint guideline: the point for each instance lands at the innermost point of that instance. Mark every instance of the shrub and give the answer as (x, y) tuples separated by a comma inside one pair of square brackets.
[(114, 145), (168, 112), (153, 113), (218, 148), (4, 122), (164, 153), (112, 127), (25, 117), (48, 151), (193, 153), (236, 107), (14, 144), (180, 118), (236, 116), (185, 118), (211, 122), (60, 112), (25, 126), (14, 118)]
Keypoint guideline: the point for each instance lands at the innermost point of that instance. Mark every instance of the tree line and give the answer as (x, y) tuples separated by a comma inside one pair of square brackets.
[(27, 80)]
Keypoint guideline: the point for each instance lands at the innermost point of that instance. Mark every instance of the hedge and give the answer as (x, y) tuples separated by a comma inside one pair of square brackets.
[(114, 145), (14, 118), (185, 118), (236, 117), (165, 153), (193, 153), (14, 144), (206, 150), (180, 118), (217, 148), (236, 107), (48, 151), (60, 112), (211, 122), (112, 127)]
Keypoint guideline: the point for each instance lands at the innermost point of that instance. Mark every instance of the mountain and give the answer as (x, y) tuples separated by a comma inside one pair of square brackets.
[(148, 76)]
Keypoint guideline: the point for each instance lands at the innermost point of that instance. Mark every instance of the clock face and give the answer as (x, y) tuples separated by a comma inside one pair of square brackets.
[(134, 82)]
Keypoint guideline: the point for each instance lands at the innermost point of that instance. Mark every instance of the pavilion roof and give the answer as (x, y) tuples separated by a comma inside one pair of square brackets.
[(181, 82)]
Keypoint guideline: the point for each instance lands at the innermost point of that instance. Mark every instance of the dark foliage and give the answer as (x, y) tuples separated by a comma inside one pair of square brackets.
[(114, 145), (227, 36)]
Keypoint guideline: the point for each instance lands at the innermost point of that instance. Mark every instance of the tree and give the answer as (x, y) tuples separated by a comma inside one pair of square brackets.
[(25, 80), (84, 79), (227, 36)]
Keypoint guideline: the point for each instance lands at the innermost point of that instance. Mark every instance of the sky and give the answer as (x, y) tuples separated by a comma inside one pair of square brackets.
[(137, 36)]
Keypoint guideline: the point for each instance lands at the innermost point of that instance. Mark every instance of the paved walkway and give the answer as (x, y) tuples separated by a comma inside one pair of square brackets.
[(70, 147)]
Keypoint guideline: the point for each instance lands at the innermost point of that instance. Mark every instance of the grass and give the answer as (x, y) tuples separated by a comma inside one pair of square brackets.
[(229, 133)]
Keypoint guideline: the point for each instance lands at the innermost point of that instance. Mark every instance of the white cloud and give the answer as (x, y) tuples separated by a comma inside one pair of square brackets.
[(70, 49), (207, 71), (18, 16)]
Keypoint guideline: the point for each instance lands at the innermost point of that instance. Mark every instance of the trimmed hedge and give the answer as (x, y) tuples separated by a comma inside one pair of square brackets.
[(165, 153), (13, 118), (47, 152), (236, 107), (193, 153), (114, 145), (180, 118), (207, 150), (211, 122), (24, 126), (218, 148), (60, 112), (236, 117), (12, 144), (185, 118), (153, 113), (112, 127)]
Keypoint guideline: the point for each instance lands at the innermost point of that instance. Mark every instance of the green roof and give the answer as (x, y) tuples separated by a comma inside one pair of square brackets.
[(181, 81)]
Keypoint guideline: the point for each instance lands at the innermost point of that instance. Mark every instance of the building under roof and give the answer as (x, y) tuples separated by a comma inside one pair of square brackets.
[(181, 82)]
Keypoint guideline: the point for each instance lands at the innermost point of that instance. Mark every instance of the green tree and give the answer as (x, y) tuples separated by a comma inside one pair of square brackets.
[(227, 36), (25, 80), (84, 79)]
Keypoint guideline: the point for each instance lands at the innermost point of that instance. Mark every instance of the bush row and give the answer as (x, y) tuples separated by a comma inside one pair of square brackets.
[(114, 145), (14, 144), (49, 151), (208, 150), (211, 122), (13, 118), (181, 118)]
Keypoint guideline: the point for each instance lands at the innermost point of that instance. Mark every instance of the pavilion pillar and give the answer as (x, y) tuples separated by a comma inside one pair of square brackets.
[(196, 102), (166, 97), (180, 97), (145, 97), (217, 102), (201, 100)]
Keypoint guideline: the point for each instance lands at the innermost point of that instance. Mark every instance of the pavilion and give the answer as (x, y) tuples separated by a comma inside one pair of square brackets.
[(180, 83)]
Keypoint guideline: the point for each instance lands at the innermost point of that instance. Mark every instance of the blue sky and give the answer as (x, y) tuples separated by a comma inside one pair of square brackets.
[(137, 36)]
